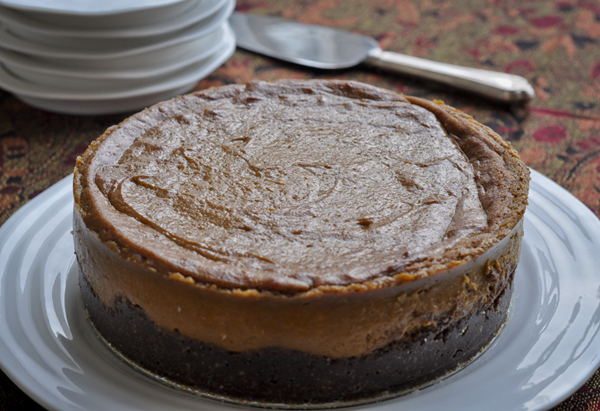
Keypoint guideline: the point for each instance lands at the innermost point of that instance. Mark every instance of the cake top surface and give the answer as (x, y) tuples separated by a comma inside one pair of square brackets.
[(283, 186)]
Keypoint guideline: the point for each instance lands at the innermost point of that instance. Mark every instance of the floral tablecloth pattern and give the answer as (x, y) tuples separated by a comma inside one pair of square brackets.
[(554, 44)]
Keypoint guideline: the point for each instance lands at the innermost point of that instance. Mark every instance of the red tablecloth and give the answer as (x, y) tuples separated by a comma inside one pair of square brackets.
[(554, 44)]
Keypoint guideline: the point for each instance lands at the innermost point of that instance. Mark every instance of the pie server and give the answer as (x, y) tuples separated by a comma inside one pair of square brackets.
[(328, 48)]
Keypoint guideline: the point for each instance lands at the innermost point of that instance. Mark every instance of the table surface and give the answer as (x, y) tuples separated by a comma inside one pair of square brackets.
[(554, 44)]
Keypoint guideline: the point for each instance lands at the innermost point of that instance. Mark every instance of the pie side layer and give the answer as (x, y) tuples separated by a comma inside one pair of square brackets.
[(333, 322), (286, 378)]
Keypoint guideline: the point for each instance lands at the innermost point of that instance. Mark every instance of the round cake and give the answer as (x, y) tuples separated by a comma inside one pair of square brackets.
[(298, 243)]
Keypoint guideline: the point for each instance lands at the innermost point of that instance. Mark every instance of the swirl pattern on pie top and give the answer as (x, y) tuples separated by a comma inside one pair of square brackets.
[(246, 190)]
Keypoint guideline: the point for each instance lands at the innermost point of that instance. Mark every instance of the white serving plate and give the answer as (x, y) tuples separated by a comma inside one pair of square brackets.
[(106, 106), (150, 61), (81, 8), (54, 33), (548, 348), (109, 101), (48, 73), (94, 49), (117, 20)]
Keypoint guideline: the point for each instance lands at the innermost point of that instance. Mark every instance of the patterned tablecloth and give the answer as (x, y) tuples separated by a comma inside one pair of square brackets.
[(554, 44)]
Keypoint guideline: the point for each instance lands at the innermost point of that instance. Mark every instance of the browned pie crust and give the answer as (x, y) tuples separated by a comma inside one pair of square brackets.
[(299, 242)]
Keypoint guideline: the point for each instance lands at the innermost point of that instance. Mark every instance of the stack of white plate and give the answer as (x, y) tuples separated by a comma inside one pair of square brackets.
[(109, 56)]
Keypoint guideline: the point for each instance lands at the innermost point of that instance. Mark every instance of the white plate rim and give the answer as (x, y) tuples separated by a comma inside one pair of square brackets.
[(543, 217), (66, 6), (197, 12), (22, 63), (193, 72), (12, 42)]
